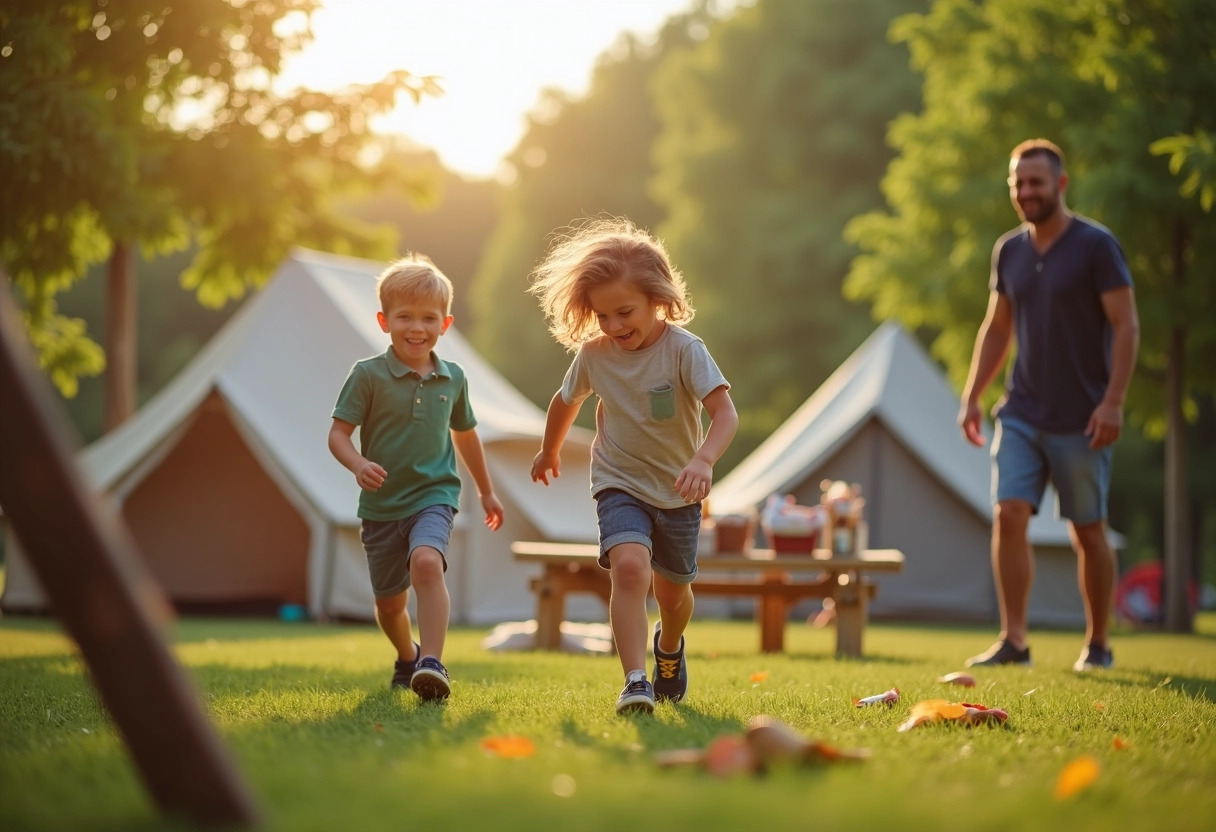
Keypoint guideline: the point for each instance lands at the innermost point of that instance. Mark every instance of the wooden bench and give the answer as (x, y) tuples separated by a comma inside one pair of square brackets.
[(777, 581)]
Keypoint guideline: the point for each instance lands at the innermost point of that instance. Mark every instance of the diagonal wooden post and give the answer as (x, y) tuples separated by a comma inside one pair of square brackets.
[(85, 560)]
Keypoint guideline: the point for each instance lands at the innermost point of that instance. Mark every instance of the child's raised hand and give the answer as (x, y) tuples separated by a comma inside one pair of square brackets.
[(695, 480), (493, 510), (370, 476), (542, 464)]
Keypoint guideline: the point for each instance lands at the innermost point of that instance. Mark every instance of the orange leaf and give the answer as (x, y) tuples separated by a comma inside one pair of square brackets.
[(759, 676), (379, 728), (1120, 744), (1078, 775), (509, 746), (1101, 706)]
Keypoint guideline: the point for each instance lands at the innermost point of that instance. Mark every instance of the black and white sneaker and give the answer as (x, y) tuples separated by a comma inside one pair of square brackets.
[(1000, 653), (430, 680), (637, 697), (1094, 657)]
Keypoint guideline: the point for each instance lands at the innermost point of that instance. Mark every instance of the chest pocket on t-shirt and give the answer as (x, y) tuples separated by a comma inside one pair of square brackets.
[(662, 403)]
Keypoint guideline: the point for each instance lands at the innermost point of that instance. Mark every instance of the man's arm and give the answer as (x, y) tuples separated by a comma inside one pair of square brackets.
[(991, 349), (1106, 422)]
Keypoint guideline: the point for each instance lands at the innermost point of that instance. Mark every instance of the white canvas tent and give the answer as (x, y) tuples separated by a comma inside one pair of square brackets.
[(234, 500), (887, 419)]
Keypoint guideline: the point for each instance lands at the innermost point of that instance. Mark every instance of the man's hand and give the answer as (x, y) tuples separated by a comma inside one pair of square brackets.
[(969, 420), (1105, 425)]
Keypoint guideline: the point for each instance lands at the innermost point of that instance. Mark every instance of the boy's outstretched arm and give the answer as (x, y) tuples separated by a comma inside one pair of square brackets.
[(368, 474), (468, 446), (557, 424), (697, 478)]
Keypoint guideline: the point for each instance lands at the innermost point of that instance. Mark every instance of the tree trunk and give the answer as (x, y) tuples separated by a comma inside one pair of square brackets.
[(121, 337), (1178, 560)]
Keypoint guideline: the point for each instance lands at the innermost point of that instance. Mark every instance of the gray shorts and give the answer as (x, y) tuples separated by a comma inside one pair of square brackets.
[(390, 543), (669, 533), (1025, 458)]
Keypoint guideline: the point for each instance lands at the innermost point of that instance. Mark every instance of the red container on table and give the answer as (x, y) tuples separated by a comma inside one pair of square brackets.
[(784, 544)]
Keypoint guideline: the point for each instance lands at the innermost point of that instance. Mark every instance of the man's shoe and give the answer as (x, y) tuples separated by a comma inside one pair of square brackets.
[(1000, 653), (430, 680), (403, 671), (1094, 657), (670, 671), (637, 697)]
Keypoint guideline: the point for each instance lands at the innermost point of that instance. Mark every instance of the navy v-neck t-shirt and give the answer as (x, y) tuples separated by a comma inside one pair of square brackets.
[(1062, 366)]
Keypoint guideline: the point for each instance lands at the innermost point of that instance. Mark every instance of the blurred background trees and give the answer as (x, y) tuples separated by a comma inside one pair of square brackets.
[(813, 165)]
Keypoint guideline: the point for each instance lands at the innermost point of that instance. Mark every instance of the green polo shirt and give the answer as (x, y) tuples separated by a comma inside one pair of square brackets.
[(404, 423)]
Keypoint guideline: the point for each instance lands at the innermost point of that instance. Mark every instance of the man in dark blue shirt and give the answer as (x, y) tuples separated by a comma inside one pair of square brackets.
[(1060, 289)]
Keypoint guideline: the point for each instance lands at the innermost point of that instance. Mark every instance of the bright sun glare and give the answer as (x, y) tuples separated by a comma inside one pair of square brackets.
[(493, 57)]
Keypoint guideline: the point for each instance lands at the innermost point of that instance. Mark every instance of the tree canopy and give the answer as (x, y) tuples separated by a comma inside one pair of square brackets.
[(157, 124), (773, 138)]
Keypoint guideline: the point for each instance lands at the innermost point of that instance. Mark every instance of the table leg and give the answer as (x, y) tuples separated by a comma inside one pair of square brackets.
[(774, 609), (851, 603), (550, 610)]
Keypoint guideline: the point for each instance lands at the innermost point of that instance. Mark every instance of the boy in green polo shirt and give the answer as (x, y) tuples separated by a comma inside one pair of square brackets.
[(414, 416)]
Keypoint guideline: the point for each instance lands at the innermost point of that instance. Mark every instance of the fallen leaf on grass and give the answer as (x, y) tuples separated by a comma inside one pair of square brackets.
[(1077, 776), (1120, 744), (379, 728), (759, 676), (931, 711), (509, 746), (965, 680), (1101, 706)]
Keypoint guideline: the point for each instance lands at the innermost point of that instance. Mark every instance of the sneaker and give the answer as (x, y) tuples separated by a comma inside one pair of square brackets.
[(1094, 657), (637, 697), (430, 680), (1000, 653), (670, 671), (403, 671)]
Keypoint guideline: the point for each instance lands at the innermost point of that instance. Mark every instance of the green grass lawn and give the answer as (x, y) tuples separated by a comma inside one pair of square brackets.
[(307, 714)]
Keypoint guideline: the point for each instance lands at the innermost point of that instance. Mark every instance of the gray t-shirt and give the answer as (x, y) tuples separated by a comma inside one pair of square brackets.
[(1062, 366), (648, 419)]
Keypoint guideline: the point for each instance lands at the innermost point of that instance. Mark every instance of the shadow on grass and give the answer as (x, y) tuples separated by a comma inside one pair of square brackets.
[(1193, 687)]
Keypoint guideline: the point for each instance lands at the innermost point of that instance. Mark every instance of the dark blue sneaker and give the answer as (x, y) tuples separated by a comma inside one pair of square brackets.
[(403, 671), (1000, 653), (1094, 657), (430, 680), (637, 697), (670, 671)]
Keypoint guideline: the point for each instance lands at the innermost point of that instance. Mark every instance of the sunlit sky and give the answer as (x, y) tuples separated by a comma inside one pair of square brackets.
[(493, 58)]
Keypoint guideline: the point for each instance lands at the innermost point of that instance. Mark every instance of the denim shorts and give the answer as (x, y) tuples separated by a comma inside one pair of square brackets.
[(669, 533), (390, 543), (1025, 458)]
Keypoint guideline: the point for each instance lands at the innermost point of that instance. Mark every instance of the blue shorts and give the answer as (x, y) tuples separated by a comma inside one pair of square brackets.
[(1025, 458), (669, 533), (390, 543)]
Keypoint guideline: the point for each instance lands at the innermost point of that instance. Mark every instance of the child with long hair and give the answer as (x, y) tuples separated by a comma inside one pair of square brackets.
[(611, 296)]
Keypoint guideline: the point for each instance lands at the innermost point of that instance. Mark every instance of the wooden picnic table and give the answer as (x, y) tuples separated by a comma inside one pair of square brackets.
[(778, 581)]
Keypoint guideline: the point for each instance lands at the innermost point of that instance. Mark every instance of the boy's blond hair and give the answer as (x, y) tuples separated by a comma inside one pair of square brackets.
[(414, 277), (596, 253)]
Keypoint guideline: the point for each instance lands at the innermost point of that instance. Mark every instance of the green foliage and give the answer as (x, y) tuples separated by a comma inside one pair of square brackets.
[(773, 138), (1194, 156), (307, 716), (579, 158), (156, 123), (1105, 80)]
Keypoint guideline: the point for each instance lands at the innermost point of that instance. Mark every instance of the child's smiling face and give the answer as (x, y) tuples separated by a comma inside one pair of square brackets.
[(414, 325), (625, 314)]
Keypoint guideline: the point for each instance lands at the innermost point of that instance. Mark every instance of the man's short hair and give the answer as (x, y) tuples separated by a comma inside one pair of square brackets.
[(1040, 147)]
